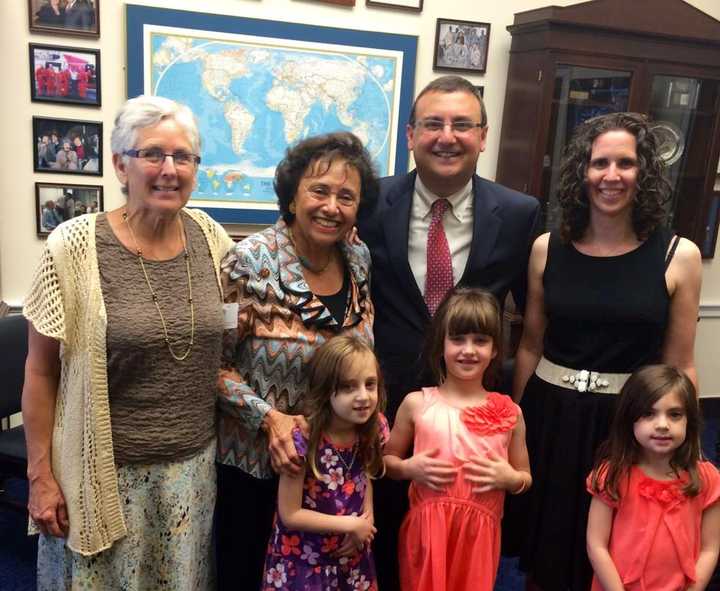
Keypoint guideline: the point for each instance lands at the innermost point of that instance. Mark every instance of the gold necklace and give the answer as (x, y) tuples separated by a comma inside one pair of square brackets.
[(304, 261), (349, 466), (155, 297)]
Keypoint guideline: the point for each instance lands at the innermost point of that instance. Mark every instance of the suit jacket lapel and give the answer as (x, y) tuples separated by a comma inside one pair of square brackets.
[(395, 226), (486, 226)]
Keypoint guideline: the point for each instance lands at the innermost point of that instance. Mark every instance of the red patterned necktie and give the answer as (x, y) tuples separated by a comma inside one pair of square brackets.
[(439, 273)]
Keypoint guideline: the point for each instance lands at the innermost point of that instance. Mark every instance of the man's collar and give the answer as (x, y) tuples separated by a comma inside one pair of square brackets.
[(458, 200)]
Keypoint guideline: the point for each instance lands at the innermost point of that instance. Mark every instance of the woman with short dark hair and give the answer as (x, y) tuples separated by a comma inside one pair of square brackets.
[(288, 289)]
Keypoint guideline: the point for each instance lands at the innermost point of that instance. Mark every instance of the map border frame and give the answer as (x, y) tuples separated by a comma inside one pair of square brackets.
[(139, 16)]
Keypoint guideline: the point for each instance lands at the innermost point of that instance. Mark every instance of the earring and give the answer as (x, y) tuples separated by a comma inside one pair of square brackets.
[(291, 207)]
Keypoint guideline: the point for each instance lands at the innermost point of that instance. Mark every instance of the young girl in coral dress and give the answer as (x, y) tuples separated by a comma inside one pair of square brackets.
[(469, 448), (654, 518), (324, 521)]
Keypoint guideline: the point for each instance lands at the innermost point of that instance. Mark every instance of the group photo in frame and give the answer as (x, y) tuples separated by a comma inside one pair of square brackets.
[(414, 5), (56, 203), (78, 18), (67, 146), (461, 46), (64, 75)]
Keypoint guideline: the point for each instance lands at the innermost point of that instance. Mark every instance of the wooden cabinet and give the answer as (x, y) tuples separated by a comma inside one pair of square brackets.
[(659, 57)]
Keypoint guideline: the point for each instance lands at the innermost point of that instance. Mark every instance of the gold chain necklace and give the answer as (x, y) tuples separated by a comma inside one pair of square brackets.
[(155, 297), (304, 261), (349, 466)]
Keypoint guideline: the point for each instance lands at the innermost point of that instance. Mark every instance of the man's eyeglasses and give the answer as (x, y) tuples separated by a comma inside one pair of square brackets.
[(459, 127), (156, 157)]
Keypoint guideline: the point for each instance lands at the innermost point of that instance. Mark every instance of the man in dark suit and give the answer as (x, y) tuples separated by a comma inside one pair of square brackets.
[(489, 231)]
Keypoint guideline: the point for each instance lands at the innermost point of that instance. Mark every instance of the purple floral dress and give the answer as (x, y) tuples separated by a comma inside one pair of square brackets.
[(303, 561)]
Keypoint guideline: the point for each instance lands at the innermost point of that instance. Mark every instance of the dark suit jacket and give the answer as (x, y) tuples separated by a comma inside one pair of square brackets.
[(503, 229)]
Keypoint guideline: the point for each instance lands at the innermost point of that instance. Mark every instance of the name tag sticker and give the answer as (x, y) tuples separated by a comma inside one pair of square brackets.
[(230, 315)]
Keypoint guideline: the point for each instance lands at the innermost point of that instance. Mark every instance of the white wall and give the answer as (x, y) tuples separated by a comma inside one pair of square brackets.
[(19, 246)]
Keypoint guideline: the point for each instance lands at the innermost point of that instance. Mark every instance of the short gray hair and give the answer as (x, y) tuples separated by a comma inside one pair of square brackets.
[(147, 111)]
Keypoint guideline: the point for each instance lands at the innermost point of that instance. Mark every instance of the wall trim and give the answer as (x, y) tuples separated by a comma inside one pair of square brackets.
[(709, 311)]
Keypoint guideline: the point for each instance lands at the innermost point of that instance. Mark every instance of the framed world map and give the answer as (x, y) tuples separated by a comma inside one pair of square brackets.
[(259, 86)]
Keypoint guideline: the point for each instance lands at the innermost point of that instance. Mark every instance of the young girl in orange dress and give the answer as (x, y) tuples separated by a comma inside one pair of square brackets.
[(654, 518), (324, 521), (469, 448)]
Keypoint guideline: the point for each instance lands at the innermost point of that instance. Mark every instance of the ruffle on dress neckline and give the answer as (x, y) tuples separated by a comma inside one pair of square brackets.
[(498, 415)]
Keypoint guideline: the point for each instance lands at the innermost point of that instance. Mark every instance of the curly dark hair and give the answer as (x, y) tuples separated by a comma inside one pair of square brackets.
[(653, 189), (325, 149)]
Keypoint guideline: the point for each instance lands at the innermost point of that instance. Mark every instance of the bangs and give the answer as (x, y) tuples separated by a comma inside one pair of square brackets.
[(472, 316)]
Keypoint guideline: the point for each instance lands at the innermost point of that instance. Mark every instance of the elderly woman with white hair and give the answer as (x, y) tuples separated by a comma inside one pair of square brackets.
[(125, 333)]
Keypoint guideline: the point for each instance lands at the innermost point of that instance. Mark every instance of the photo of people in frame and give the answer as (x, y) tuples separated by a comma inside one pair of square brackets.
[(64, 75), (65, 17), (56, 203), (67, 146), (461, 45)]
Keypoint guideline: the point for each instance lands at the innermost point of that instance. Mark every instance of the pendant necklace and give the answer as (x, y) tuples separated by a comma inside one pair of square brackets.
[(155, 299)]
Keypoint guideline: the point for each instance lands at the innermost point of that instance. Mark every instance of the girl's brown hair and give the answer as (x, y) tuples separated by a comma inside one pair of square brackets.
[(642, 390), (465, 310), (326, 370)]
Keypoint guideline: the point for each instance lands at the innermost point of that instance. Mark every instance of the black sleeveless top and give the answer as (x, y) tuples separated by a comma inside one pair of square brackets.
[(607, 314)]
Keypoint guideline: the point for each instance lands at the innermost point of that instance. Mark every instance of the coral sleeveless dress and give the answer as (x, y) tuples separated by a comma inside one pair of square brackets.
[(450, 539)]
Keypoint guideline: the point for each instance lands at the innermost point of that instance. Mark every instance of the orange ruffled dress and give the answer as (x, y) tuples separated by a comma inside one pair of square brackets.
[(655, 539), (450, 539)]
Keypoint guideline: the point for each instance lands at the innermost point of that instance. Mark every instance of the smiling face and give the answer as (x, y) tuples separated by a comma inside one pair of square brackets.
[(356, 396), (326, 203), (662, 429), (612, 174), (467, 356), (163, 188), (446, 160)]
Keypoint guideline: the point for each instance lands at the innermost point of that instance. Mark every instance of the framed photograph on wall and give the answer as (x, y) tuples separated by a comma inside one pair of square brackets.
[(67, 146), (461, 46), (78, 18), (56, 203), (64, 75), (414, 5)]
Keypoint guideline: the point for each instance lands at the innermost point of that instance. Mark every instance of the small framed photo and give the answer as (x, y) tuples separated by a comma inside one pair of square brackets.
[(67, 146), (78, 18), (64, 75), (414, 5), (461, 46), (57, 202)]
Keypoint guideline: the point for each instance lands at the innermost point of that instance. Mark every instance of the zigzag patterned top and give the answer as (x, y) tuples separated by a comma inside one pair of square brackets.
[(280, 325)]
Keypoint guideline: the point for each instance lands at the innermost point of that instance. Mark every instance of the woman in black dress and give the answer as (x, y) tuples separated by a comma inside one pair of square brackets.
[(611, 291)]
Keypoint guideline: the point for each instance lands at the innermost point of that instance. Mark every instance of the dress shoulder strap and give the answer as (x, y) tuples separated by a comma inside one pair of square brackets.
[(671, 250)]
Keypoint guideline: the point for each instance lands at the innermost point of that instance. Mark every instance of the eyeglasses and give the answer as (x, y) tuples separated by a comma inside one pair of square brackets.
[(156, 157), (458, 127)]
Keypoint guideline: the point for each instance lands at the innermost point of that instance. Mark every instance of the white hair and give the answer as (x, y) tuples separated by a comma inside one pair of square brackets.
[(147, 111)]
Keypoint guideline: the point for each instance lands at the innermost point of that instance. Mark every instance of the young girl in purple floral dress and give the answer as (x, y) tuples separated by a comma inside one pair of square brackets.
[(324, 521)]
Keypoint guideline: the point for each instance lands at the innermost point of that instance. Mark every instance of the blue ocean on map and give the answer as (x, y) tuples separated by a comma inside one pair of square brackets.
[(253, 101)]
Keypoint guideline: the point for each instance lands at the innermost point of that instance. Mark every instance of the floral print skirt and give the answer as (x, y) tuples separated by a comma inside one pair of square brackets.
[(168, 511)]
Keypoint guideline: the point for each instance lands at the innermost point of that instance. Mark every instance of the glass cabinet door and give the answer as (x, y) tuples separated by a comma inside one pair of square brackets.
[(683, 110), (579, 94)]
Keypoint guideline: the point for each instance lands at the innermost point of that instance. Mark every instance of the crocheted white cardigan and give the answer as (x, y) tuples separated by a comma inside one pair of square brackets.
[(65, 303)]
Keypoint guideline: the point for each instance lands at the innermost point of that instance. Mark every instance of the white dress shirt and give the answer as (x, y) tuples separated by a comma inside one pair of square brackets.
[(457, 222)]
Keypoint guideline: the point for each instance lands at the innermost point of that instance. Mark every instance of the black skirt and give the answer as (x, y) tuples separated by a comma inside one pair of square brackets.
[(546, 526)]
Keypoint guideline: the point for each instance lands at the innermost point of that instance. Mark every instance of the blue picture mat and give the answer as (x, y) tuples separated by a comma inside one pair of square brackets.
[(138, 16)]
